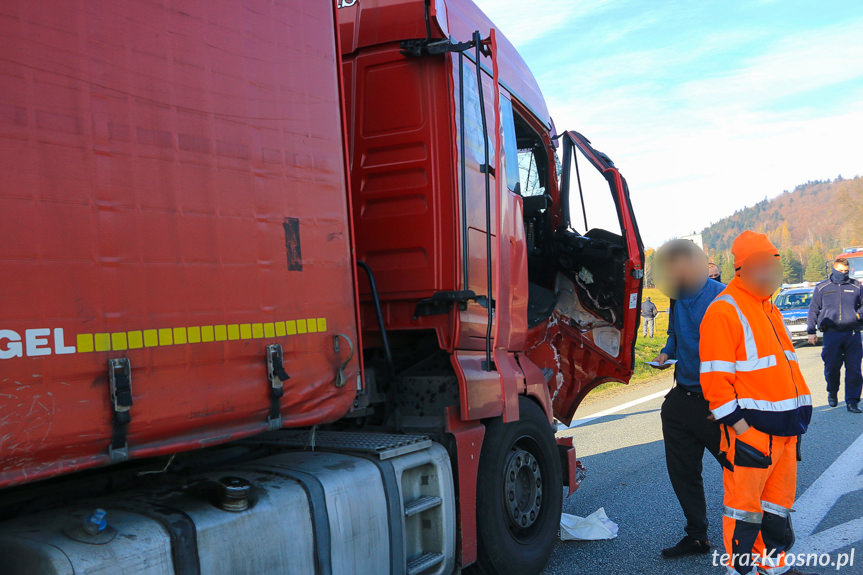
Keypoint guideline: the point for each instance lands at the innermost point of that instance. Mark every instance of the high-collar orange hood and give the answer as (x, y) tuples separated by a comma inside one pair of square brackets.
[(749, 243)]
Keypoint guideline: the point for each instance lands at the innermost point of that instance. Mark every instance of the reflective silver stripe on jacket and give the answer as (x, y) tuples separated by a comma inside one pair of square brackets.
[(718, 365), (775, 509), (782, 405), (740, 515), (724, 409), (748, 337), (752, 361), (757, 363)]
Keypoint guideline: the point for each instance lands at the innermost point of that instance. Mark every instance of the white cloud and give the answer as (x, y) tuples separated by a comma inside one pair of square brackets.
[(523, 20), (697, 148), (799, 63)]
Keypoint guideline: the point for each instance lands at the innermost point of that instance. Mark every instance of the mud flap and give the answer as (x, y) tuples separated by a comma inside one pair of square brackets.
[(570, 467)]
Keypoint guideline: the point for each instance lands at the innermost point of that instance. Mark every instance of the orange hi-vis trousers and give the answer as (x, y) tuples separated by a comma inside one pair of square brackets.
[(759, 494)]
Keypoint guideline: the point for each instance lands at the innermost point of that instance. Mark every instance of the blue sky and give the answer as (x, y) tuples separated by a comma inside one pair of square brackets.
[(705, 106)]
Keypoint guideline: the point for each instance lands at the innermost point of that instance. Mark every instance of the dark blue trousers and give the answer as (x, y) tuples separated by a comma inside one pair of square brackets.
[(843, 347)]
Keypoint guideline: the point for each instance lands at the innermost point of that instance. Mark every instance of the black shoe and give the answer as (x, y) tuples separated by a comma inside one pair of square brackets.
[(832, 400), (796, 571), (854, 407), (687, 546)]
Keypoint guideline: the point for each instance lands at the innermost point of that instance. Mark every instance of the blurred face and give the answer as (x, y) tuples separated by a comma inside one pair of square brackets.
[(761, 274), (713, 272), (682, 275), (840, 267)]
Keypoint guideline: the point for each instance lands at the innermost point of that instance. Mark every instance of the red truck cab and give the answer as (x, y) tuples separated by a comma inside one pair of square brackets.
[(564, 293), (854, 255)]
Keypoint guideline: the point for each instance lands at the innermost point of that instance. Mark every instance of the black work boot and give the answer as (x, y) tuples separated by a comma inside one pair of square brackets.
[(687, 546), (854, 407), (832, 399)]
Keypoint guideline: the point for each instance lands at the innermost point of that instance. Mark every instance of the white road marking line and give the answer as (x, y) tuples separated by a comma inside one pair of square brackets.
[(842, 477), (615, 409)]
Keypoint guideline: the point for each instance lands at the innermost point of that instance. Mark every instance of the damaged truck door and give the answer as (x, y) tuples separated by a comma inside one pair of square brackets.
[(597, 259)]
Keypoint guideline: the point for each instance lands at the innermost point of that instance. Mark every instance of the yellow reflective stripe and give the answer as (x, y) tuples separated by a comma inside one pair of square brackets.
[(233, 332), (151, 338), (84, 342), (194, 334), (166, 336), (118, 341), (221, 332), (138, 339), (180, 335), (102, 341)]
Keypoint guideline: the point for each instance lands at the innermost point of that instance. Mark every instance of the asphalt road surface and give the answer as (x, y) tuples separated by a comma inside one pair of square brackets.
[(618, 437)]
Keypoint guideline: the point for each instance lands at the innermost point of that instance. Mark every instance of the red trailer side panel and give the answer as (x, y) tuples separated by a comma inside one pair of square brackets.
[(174, 193)]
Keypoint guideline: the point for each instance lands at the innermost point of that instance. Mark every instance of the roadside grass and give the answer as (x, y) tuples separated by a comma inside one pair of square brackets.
[(645, 347)]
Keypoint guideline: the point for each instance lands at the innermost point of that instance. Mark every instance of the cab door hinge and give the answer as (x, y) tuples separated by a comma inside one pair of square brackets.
[(442, 302), (416, 48), (277, 376)]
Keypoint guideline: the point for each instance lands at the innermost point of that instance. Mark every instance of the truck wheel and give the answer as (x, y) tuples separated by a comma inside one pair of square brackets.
[(519, 494)]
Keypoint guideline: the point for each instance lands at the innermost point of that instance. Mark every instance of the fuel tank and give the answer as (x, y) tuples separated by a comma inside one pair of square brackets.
[(359, 504)]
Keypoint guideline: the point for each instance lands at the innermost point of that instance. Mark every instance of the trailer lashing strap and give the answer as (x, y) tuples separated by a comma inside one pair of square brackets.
[(180, 527), (277, 376), (120, 381), (317, 504)]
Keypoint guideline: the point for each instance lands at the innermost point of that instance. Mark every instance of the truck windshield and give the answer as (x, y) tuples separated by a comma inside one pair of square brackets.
[(786, 301), (856, 268)]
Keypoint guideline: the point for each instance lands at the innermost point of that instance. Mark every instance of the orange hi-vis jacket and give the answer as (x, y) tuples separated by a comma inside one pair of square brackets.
[(748, 365)]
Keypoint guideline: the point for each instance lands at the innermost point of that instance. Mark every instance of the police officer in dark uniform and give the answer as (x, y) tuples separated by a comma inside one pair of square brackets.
[(837, 309)]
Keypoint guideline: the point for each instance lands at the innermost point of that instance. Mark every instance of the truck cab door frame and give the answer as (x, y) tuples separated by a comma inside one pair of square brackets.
[(590, 336)]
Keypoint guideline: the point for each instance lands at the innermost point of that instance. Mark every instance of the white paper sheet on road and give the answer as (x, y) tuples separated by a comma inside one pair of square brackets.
[(594, 527)]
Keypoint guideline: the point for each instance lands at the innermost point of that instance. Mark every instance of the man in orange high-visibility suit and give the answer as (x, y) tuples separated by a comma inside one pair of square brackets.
[(751, 379)]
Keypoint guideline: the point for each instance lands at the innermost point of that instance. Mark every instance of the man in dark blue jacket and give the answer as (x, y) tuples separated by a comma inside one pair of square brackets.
[(687, 426), (837, 308)]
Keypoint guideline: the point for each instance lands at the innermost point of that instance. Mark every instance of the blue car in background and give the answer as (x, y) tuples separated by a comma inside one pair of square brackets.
[(793, 301)]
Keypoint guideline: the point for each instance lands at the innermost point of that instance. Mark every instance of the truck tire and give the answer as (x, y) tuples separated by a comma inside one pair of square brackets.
[(519, 494)]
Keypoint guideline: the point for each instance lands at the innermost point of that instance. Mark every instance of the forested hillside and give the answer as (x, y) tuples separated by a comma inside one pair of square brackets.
[(810, 225)]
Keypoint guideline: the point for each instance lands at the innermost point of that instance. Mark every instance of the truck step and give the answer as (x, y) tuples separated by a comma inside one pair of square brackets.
[(421, 504), (383, 445), (424, 562)]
